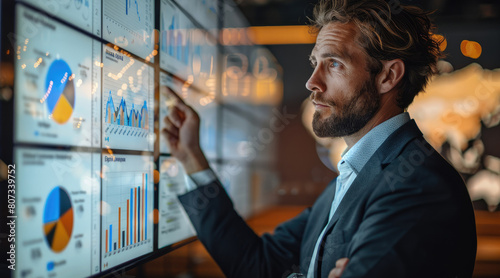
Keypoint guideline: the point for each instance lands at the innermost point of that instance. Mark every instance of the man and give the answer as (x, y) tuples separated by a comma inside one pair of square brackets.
[(397, 209)]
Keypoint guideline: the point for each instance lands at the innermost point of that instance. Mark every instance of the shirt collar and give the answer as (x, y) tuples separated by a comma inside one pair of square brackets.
[(357, 156)]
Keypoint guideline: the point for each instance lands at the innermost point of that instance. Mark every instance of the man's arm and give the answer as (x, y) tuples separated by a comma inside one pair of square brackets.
[(234, 246)]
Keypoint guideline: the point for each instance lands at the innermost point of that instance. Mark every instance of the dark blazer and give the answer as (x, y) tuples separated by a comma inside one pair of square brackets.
[(407, 214)]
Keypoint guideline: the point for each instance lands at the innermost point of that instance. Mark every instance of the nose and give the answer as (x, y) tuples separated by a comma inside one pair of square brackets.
[(315, 82)]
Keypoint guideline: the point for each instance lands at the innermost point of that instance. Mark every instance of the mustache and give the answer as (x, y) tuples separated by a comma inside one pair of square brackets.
[(314, 97)]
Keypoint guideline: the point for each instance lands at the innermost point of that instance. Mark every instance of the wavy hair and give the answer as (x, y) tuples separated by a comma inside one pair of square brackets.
[(388, 31)]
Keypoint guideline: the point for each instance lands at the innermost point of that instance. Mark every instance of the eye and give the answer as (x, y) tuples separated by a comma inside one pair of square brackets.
[(335, 64)]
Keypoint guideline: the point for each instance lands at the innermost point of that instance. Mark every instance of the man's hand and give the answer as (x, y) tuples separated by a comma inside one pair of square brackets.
[(339, 268), (183, 134)]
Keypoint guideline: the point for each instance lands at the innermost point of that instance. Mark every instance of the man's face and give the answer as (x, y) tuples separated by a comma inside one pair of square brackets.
[(342, 90)]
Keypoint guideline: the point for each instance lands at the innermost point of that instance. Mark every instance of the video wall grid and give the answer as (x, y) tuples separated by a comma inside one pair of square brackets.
[(97, 187)]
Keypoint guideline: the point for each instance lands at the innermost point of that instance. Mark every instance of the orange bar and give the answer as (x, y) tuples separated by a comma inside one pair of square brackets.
[(106, 241), (294, 34), (135, 218), (128, 201), (143, 211), (119, 226)]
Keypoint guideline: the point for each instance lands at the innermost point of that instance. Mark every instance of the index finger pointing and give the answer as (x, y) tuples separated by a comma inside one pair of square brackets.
[(171, 95)]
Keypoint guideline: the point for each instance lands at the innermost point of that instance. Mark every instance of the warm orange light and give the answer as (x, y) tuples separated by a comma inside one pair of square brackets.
[(471, 49), (266, 35), (441, 40), (156, 176), (156, 216)]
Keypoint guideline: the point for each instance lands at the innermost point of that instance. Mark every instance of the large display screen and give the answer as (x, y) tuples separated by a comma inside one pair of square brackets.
[(97, 183)]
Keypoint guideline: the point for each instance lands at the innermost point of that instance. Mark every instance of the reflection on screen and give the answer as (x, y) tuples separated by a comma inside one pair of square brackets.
[(201, 102)]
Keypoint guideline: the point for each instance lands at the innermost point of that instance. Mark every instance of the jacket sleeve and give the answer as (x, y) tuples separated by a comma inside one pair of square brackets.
[(234, 246)]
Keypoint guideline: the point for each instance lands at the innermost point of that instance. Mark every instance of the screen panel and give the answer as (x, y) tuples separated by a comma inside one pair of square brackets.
[(57, 84), (176, 40), (173, 223), (85, 14), (129, 24), (205, 12), (127, 208), (128, 101), (58, 219), (165, 102)]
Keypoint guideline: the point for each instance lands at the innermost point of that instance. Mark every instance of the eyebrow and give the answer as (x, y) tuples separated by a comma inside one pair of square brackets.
[(343, 56)]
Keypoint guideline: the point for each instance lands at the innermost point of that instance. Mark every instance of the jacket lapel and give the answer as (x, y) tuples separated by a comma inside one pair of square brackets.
[(319, 219)]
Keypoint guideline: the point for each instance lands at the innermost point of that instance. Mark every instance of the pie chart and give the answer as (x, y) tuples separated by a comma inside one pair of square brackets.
[(60, 91), (58, 219)]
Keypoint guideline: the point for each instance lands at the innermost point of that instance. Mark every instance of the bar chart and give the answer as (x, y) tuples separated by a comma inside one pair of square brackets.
[(135, 222), (175, 40), (127, 209)]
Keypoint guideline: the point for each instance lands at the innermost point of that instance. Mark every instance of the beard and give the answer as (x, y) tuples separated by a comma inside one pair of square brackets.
[(350, 115)]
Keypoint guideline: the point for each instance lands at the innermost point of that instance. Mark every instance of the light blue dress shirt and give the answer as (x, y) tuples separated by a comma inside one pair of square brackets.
[(351, 163)]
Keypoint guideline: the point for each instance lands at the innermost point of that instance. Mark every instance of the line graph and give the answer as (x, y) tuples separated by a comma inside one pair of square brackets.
[(128, 102), (121, 116), (127, 7), (130, 25)]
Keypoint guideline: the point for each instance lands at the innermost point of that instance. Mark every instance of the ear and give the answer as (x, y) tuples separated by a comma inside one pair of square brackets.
[(392, 72)]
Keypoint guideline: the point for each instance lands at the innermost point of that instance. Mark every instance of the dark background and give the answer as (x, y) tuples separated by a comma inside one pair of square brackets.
[(302, 174)]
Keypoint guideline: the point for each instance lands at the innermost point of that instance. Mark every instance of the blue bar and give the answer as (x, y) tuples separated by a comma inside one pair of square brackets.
[(126, 7), (138, 213), (145, 210), (131, 215), (110, 237)]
